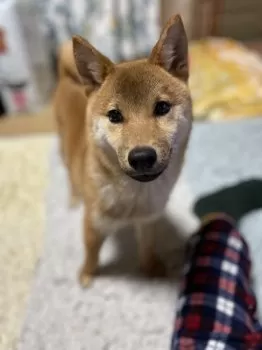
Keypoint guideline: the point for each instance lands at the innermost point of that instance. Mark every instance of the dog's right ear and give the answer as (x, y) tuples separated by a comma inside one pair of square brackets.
[(92, 66)]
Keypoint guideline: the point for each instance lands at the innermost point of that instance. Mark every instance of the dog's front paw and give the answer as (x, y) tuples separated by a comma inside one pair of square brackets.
[(154, 268), (85, 279)]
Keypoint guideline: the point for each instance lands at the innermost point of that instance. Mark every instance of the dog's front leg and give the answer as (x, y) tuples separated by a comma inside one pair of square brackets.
[(92, 241), (150, 263)]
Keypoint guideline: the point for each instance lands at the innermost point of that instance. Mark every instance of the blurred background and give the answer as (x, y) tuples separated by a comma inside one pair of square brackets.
[(225, 50), (225, 38)]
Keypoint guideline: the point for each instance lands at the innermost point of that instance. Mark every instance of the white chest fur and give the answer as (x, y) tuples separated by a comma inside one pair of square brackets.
[(131, 201)]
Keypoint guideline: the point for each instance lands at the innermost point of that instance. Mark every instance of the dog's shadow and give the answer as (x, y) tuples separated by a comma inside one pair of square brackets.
[(170, 244)]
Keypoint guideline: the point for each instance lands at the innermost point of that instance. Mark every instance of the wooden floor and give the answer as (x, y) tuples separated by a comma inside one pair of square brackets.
[(41, 122)]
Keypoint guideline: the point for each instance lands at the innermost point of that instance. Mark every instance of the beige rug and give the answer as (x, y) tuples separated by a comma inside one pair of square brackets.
[(23, 180)]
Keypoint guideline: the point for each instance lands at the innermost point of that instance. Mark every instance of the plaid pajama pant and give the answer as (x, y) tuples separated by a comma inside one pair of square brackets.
[(217, 308)]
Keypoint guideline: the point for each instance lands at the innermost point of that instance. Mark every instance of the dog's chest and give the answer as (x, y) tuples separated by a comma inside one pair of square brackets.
[(130, 201)]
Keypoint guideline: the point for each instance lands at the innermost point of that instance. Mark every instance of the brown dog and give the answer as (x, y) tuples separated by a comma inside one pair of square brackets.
[(124, 129)]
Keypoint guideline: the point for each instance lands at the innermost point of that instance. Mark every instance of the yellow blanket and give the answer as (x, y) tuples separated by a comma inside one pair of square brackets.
[(226, 80)]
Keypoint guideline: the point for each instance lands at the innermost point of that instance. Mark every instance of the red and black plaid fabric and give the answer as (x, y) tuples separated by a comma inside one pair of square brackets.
[(217, 308)]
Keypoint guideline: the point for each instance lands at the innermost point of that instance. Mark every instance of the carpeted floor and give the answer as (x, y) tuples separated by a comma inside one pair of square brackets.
[(121, 310), (23, 181)]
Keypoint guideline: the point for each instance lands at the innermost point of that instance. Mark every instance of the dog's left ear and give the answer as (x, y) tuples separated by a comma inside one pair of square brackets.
[(171, 50), (92, 66)]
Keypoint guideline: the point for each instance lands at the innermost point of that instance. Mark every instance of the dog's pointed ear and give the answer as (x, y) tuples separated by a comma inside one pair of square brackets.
[(92, 66), (171, 50)]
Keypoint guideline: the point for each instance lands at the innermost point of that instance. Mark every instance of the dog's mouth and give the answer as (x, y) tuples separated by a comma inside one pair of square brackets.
[(146, 177), (149, 175)]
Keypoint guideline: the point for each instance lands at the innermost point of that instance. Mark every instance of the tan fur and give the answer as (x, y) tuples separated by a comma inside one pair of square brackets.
[(95, 151)]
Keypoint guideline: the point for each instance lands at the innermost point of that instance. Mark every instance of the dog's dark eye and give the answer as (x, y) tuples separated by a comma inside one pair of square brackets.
[(115, 116), (162, 108)]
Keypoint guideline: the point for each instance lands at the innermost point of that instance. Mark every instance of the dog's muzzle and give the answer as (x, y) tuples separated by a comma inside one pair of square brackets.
[(145, 177)]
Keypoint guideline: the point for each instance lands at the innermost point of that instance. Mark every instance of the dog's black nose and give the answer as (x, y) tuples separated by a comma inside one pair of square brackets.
[(142, 158)]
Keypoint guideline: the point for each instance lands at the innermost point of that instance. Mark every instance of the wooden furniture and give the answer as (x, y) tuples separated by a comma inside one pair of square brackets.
[(201, 17), (206, 16), (183, 7), (238, 19)]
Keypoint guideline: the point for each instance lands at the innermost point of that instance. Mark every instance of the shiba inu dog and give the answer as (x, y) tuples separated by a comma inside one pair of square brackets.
[(124, 129)]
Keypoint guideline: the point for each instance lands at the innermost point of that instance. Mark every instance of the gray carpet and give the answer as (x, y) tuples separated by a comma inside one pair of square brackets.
[(122, 310)]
